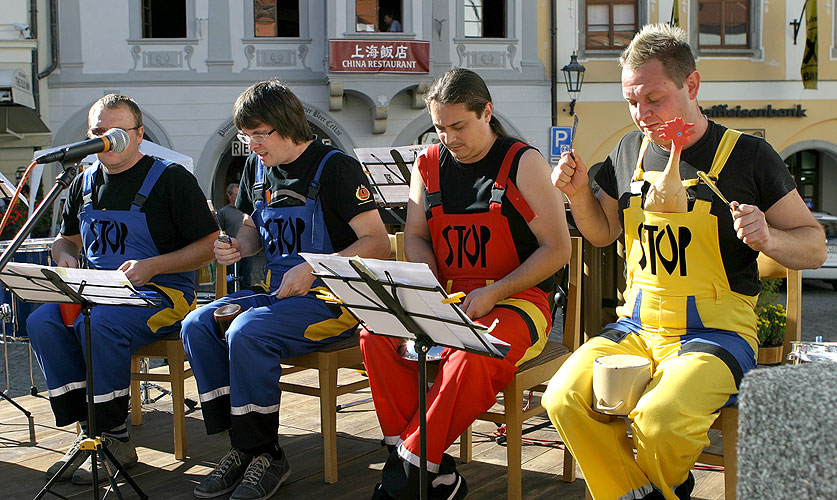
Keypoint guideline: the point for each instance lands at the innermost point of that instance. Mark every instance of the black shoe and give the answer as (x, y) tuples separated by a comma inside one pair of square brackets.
[(458, 489), (684, 490), (262, 478), (379, 493), (226, 475)]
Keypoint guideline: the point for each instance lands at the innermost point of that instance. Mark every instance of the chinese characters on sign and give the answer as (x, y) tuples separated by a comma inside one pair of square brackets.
[(384, 56)]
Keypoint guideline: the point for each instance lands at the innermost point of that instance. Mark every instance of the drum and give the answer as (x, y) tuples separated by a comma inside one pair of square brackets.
[(225, 315), (32, 251), (812, 352), (618, 383)]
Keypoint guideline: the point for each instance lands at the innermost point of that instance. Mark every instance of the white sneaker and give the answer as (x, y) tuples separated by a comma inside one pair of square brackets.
[(123, 451), (68, 473)]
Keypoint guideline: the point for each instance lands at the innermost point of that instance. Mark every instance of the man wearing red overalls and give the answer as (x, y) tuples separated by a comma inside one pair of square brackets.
[(482, 216)]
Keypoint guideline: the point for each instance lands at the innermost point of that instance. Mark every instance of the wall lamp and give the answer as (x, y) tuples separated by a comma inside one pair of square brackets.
[(574, 78)]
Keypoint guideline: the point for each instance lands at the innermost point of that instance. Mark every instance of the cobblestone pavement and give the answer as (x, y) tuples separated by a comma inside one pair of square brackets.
[(818, 318)]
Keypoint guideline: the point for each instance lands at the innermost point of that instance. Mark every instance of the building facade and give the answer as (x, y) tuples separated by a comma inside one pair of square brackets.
[(185, 62), (25, 61), (749, 63)]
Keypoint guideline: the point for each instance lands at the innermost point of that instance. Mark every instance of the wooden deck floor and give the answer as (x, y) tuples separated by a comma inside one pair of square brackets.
[(22, 464)]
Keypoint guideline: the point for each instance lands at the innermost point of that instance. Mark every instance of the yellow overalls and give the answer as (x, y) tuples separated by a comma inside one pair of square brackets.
[(680, 313)]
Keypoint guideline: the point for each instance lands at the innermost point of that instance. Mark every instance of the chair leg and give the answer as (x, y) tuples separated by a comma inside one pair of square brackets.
[(569, 466), (328, 414), (730, 442), (465, 442), (136, 399), (176, 358), (512, 397)]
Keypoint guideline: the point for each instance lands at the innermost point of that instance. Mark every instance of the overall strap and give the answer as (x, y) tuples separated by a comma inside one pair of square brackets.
[(704, 193), (430, 175), (502, 185), (314, 187), (258, 182), (88, 178), (151, 178)]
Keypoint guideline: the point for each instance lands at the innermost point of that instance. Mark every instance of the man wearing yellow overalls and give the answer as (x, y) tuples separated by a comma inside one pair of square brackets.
[(692, 278)]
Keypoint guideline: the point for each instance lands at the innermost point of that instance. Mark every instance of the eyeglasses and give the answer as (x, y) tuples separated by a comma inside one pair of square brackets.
[(255, 138), (98, 132)]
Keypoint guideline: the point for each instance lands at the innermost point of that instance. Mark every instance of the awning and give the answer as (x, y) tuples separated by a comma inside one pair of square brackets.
[(20, 121)]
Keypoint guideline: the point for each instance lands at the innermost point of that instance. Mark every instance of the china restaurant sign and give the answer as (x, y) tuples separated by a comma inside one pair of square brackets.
[(378, 56)]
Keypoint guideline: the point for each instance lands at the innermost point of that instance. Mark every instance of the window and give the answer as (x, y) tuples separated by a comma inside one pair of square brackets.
[(379, 15), (724, 24), (485, 18), (610, 24), (164, 18), (276, 18), (805, 168)]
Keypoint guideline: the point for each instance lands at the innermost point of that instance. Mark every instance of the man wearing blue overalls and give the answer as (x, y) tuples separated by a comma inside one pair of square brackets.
[(149, 218), (304, 196), (692, 277)]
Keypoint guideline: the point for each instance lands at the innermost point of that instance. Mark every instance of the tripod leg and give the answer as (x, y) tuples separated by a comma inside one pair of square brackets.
[(55, 478), (106, 452)]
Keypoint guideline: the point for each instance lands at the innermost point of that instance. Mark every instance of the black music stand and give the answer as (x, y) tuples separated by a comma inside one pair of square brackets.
[(388, 171), (87, 288), (404, 299)]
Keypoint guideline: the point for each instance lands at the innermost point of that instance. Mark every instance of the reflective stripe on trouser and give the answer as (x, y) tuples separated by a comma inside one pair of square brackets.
[(238, 375), (465, 386), (669, 433), (116, 333)]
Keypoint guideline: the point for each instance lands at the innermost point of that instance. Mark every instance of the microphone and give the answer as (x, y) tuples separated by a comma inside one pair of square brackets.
[(115, 140)]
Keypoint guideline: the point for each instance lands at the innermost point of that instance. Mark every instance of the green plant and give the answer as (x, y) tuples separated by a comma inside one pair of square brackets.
[(770, 316)]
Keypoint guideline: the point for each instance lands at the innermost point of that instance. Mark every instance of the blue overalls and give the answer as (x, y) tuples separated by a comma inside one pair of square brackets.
[(109, 237), (238, 373)]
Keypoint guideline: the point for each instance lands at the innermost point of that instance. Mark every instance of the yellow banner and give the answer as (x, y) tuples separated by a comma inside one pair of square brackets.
[(809, 58)]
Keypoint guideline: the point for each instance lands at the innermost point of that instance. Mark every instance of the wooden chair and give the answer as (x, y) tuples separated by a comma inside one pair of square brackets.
[(727, 421), (170, 349), (533, 375), (327, 361)]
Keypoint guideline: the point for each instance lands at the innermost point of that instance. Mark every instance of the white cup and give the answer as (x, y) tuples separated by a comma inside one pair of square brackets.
[(618, 382)]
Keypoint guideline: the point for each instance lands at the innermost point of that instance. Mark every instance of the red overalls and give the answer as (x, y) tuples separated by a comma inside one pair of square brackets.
[(472, 250)]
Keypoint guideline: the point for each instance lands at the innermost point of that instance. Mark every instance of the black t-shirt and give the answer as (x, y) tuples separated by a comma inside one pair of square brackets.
[(466, 188), (754, 174), (176, 209), (344, 189)]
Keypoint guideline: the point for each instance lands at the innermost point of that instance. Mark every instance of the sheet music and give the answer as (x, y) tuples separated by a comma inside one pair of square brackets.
[(100, 287), (457, 330)]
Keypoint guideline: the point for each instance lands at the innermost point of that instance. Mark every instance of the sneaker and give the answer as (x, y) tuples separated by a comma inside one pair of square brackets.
[(226, 475), (379, 493), (123, 451), (68, 473), (454, 491), (262, 478)]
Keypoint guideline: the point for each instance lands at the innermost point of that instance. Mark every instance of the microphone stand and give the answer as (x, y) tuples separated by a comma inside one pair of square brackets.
[(61, 182)]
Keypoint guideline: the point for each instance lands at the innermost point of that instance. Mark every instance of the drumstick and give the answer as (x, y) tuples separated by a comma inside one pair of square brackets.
[(705, 178)]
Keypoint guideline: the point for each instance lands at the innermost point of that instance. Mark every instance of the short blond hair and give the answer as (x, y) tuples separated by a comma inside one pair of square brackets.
[(665, 43)]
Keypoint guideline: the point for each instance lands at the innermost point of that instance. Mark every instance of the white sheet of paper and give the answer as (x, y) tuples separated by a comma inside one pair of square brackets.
[(101, 287), (455, 332)]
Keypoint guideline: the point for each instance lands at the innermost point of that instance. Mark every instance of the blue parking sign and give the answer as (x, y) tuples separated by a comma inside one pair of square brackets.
[(561, 140)]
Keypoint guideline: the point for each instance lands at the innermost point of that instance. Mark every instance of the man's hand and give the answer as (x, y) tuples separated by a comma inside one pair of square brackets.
[(227, 253), (570, 175), (138, 271), (750, 225), (297, 281), (480, 302), (67, 261)]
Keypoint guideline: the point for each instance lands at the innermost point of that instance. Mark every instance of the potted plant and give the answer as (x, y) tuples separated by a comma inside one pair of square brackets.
[(771, 318)]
